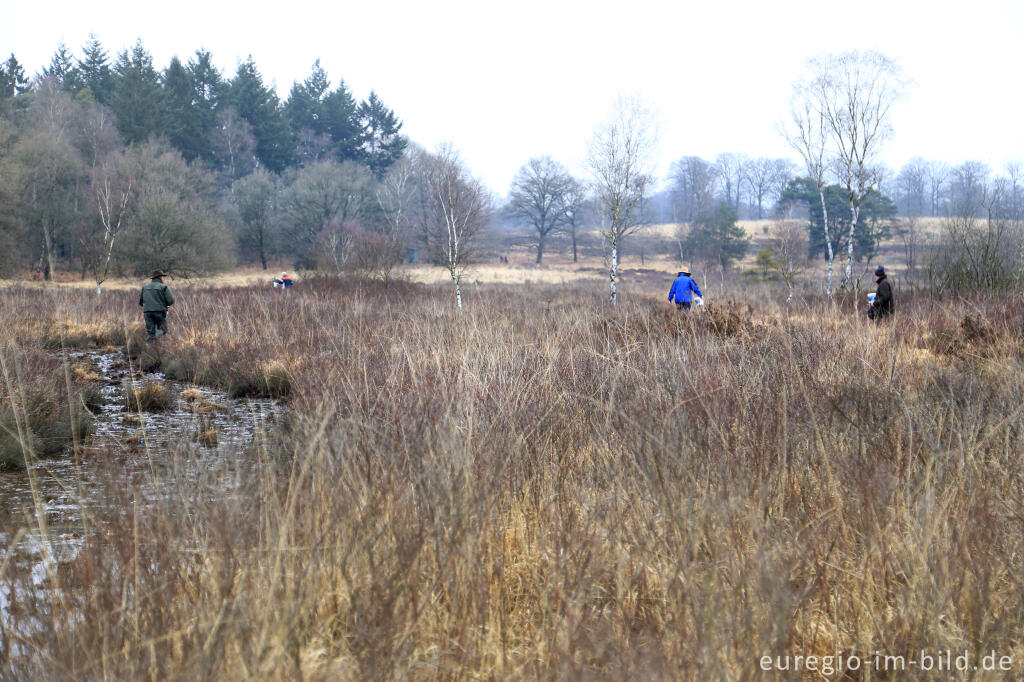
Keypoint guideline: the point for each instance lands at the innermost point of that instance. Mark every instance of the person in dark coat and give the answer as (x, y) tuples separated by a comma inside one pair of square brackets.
[(683, 290), (155, 298), (883, 305)]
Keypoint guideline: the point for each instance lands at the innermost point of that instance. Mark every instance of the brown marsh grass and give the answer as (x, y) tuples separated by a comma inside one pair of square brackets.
[(545, 487)]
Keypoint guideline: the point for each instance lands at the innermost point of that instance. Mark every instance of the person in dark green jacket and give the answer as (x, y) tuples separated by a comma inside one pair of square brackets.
[(155, 298)]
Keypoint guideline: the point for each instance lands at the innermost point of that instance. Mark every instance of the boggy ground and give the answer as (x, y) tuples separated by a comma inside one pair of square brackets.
[(546, 487)]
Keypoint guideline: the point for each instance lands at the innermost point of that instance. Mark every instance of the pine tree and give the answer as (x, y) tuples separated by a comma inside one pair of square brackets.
[(341, 123), (382, 143), (207, 88), (94, 69), (62, 68), (136, 94), (304, 107), (181, 117), (259, 106), (13, 81), (717, 237)]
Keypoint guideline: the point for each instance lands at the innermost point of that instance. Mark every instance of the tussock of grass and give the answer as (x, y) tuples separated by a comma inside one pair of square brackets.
[(208, 437), (151, 397), (197, 403), (85, 374), (267, 381), (38, 418)]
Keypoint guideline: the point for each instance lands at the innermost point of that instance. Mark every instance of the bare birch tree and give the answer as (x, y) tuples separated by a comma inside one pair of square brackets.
[(113, 186), (457, 210), (808, 135), (619, 159), (855, 92)]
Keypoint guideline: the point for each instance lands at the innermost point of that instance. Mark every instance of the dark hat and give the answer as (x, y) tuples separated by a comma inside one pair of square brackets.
[(879, 271), (158, 273)]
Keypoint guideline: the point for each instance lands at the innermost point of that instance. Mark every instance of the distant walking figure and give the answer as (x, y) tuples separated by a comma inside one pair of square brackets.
[(882, 306), (284, 281), (155, 298), (683, 290)]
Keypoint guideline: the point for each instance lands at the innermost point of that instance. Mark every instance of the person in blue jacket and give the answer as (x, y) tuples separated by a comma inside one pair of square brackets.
[(683, 290)]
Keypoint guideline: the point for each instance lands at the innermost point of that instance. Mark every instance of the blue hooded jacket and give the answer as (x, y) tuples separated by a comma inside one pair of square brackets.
[(681, 289)]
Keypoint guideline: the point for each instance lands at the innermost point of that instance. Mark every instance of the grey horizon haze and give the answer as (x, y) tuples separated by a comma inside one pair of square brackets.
[(504, 82)]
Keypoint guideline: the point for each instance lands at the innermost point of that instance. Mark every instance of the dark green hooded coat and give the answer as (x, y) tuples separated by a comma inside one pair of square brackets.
[(155, 297)]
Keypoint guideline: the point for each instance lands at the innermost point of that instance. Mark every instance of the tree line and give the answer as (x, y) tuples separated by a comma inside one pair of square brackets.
[(112, 166)]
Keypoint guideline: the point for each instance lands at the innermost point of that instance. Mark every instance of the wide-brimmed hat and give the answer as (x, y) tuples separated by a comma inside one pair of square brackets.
[(685, 270), (158, 273)]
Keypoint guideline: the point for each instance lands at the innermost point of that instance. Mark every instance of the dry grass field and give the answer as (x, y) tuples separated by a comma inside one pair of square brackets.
[(542, 487)]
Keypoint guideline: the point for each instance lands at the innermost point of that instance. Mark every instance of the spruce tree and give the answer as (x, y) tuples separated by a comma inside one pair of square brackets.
[(181, 120), (136, 94), (717, 237), (342, 124), (94, 69), (207, 88), (382, 143), (13, 81), (62, 68), (260, 107)]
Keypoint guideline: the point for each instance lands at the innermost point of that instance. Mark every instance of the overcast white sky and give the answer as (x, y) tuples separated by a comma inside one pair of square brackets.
[(507, 81)]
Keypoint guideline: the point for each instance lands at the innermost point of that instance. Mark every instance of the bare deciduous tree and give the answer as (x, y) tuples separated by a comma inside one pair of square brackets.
[(321, 193), (693, 190), (395, 198), (113, 181), (910, 233), (766, 178), (457, 210), (574, 199), (808, 135), (968, 187), (938, 179), (619, 160), (537, 196), (255, 199), (788, 241), (732, 169), (233, 145), (855, 92), (912, 188)]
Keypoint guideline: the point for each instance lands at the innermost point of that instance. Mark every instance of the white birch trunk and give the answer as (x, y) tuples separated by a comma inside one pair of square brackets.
[(828, 243), (854, 214), (613, 274)]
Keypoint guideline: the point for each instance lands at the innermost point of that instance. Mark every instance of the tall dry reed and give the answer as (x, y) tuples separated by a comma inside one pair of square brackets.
[(545, 487)]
